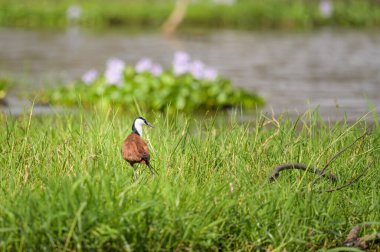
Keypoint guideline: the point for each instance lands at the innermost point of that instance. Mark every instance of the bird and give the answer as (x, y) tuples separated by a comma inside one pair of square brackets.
[(135, 150)]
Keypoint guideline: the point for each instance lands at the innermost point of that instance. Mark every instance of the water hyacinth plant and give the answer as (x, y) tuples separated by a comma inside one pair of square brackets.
[(187, 85), (114, 71), (90, 76)]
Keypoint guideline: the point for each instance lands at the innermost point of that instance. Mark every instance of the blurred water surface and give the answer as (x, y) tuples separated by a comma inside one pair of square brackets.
[(335, 70)]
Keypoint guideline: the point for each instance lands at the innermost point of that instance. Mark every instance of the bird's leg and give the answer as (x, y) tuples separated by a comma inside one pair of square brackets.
[(153, 173), (152, 170), (135, 177)]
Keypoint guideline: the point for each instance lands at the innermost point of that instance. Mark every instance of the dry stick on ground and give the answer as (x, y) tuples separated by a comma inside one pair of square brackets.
[(278, 169), (353, 239), (321, 173)]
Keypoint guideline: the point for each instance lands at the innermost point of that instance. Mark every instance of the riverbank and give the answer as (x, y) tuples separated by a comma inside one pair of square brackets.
[(268, 14)]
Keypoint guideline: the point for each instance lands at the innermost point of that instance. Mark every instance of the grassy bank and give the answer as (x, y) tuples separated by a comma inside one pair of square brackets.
[(65, 187), (245, 14)]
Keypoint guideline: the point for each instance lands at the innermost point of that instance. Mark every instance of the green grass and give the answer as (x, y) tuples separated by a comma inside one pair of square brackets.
[(246, 14), (65, 187), (5, 85)]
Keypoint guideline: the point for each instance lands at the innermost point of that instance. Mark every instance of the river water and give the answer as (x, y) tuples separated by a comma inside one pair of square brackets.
[(337, 71)]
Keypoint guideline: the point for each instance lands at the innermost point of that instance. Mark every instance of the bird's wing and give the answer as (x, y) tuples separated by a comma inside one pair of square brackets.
[(143, 149), (131, 151)]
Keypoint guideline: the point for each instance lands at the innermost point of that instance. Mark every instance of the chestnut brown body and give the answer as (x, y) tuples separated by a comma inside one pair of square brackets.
[(135, 150)]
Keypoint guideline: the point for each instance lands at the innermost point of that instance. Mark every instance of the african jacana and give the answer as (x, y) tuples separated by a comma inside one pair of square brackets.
[(135, 150)]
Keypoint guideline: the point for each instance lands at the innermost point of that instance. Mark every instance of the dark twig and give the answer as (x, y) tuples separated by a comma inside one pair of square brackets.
[(278, 169), (321, 173), (352, 181), (353, 239), (340, 152)]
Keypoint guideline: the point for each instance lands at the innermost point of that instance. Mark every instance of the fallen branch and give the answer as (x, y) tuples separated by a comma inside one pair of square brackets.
[(353, 239), (320, 173), (278, 169)]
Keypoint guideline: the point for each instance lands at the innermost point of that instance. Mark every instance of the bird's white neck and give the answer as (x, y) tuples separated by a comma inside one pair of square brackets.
[(138, 126), (139, 129)]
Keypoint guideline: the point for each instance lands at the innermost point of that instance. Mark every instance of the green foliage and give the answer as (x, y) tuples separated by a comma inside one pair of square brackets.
[(246, 14), (162, 92), (5, 84), (64, 185)]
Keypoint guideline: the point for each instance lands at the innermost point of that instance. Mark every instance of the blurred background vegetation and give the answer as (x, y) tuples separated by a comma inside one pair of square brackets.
[(201, 26), (242, 14), (65, 184)]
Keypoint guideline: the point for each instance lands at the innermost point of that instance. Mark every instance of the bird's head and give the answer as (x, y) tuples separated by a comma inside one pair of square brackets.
[(138, 123)]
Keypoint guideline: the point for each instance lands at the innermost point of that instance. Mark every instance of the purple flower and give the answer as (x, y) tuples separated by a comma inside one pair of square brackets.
[(143, 65), (197, 69), (73, 12), (181, 63), (156, 69), (210, 74), (114, 71), (114, 77), (179, 69), (181, 57), (115, 64), (90, 76), (325, 8)]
